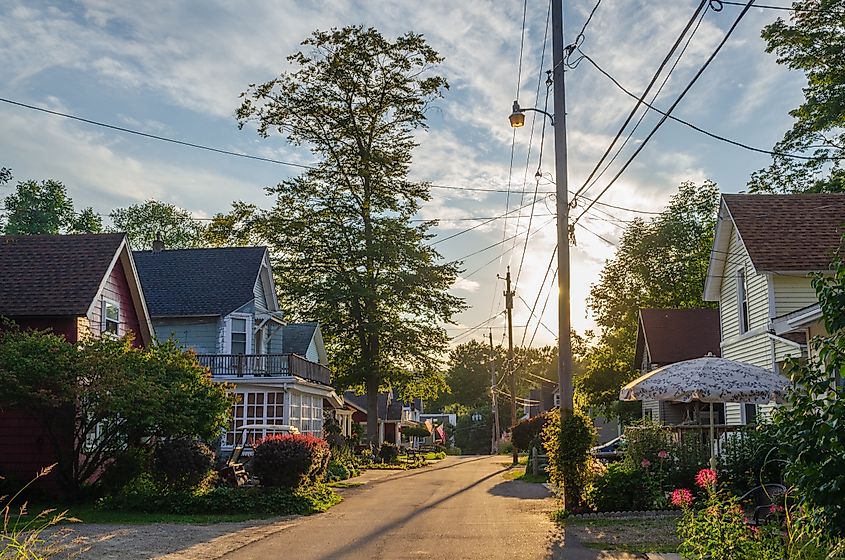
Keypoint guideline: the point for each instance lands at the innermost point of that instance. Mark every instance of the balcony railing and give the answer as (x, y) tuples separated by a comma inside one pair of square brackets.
[(264, 365)]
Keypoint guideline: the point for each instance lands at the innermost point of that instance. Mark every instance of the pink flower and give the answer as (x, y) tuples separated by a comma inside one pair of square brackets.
[(681, 497), (663, 454), (775, 508), (645, 463), (706, 479)]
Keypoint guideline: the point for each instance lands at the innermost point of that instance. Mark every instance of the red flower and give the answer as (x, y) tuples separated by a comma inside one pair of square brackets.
[(645, 463), (682, 498), (663, 454), (706, 478)]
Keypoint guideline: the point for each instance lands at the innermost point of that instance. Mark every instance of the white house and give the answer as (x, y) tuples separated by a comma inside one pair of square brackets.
[(222, 304), (765, 250)]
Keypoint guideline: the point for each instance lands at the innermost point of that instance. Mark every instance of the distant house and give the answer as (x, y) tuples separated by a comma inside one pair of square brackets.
[(77, 286), (393, 414), (222, 304), (765, 249), (667, 336)]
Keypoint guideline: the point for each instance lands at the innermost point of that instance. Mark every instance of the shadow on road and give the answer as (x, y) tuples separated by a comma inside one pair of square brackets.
[(519, 489)]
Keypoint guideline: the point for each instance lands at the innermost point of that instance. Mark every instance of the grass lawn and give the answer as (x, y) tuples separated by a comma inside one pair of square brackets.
[(626, 535), (88, 514), (518, 473)]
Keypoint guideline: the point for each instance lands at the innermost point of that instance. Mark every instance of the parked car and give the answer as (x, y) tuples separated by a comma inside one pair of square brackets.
[(610, 451)]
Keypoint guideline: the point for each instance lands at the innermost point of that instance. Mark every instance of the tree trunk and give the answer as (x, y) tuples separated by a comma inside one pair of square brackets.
[(372, 410)]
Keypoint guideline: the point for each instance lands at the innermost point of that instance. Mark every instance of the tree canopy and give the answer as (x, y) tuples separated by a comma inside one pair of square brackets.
[(344, 247), (143, 222), (44, 207), (661, 262), (812, 41)]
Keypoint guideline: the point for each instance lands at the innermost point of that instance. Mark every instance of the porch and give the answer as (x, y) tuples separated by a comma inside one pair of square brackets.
[(264, 365)]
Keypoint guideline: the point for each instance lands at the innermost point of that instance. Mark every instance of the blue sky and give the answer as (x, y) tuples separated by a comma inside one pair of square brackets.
[(177, 68)]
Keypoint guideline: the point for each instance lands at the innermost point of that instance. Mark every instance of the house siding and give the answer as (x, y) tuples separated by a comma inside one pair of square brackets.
[(311, 354), (792, 293), (260, 304), (756, 287), (116, 288), (200, 335)]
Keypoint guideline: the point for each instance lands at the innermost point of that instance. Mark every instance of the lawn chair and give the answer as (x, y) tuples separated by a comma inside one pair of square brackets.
[(760, 500)]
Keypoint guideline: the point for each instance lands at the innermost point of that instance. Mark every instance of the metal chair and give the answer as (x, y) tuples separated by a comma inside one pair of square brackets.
[(761, 499)]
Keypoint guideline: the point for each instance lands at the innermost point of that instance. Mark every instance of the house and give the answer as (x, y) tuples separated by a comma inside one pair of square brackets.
[(667, 336), (393, 414), (77, 286), (222, 304), (765, 249)]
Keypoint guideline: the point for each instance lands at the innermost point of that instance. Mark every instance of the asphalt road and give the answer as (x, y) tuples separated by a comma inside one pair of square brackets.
[(461, 508)]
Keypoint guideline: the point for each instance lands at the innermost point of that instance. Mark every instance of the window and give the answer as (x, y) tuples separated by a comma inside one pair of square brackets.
[(742, 301), (750, 413), (238, 336), (255, 408), (111, 317)]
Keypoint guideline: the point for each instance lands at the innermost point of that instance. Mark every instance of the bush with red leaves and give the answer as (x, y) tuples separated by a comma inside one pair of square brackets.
[(290, 460)]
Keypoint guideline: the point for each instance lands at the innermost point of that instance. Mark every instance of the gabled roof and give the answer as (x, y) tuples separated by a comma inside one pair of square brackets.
[(61, 275), (389, 406), (675, 335), (54, 274), (780, 232), (296, 337), (199, 282)]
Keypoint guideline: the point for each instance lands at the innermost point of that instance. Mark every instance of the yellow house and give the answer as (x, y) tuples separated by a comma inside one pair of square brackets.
[(765, 250)]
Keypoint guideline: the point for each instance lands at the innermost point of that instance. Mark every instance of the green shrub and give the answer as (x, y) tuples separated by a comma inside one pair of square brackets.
[(416, 431), (505, 447), (125, 468), (181, 464), (524, 433), (645, 440), (388, 452), (568, 449), (623, 488), (290, 460), (751, 458), (453, 450)]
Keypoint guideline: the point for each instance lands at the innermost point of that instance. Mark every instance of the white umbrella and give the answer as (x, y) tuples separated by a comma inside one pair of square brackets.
[(709, 380)]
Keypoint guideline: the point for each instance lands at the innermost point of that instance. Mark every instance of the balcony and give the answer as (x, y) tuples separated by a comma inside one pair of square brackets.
[(264, 365)]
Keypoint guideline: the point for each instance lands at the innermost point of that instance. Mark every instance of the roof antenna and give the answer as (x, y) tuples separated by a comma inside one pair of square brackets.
[(158, 243)]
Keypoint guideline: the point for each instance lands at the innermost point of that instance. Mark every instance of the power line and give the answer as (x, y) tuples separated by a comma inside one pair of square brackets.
[(154, 136), (476, 226), (672, 107), (542, 284), (498, 243), (782, 8)]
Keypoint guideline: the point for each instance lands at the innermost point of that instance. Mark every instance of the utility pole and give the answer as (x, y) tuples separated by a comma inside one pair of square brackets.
[(564, 360), (496, 431), (511, 369)]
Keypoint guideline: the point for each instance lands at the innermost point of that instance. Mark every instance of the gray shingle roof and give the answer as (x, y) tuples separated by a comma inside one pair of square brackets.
[(296, 337), (198, 282), (53, 274)]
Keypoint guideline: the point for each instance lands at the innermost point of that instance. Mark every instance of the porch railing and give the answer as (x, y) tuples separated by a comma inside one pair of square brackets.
[(264, 365)]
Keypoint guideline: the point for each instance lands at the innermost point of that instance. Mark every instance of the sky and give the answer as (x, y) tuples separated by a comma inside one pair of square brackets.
[(176, 69)]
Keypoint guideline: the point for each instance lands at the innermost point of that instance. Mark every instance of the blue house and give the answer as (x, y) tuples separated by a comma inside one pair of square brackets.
[(222, 304)]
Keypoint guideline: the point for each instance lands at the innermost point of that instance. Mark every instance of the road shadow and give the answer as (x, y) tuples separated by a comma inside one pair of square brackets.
[(519, 489)]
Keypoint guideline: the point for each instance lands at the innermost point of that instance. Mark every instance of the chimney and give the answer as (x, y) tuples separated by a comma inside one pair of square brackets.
[(158, 244)]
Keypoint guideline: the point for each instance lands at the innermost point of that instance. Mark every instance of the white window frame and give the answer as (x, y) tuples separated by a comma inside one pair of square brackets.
[(742, 302), (240, 415), (104, 320), (227, 338)]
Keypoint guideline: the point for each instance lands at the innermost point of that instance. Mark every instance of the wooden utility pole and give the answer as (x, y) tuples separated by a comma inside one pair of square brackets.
[(511, 369), (496, 430)]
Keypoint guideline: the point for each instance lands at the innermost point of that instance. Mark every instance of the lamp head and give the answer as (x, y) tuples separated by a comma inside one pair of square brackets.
[(517, 118)]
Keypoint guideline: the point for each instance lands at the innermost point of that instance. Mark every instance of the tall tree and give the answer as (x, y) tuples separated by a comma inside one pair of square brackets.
[(5, 175), (144, 222), (812, 41), (346, 251), (44, 207), (660, 263)]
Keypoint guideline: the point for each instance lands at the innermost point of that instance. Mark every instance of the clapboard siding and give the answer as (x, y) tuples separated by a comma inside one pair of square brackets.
[(756, 286), (792, 293), (200, 335), (116, 288)]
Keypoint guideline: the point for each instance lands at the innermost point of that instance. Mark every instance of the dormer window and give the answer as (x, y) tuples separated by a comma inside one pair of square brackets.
[(111, 317), (238, 336), (742, 301)]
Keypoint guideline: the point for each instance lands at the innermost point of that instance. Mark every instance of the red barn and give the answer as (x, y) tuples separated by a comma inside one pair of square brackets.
[(77, 286)]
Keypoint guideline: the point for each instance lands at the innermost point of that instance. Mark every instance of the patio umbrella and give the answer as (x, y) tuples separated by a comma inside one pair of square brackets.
[(709, 380)]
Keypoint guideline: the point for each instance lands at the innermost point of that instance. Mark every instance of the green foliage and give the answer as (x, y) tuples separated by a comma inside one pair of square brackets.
[(388, 452), (505, 447), (672, 462), (453, 450), (124, 468), (144, 496), (524, 433), (810, 431), (812, 41), (752, 458), (475, 437), (27, 536), (290, 461), (344, 246), (44, 207), (106, 395), (623, 487), (181, 464), (568, 449), (416, 431), (5, 175), (660, 263), (143, 222)]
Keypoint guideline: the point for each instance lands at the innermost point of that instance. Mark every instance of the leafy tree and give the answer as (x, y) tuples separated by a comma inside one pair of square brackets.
[(810, 431), (812, 41), (660, 263), (344, 246), (106, 394), (5, 175), (44, 207), (143, 222)]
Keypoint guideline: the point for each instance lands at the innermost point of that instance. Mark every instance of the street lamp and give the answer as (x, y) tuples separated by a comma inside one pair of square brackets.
[(517, 118), (476, 417)]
